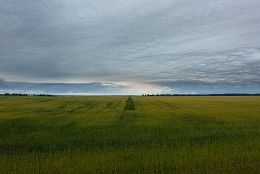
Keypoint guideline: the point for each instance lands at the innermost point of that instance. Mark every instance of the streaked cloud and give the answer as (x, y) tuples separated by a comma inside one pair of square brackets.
[(60, 88), (140, 44)]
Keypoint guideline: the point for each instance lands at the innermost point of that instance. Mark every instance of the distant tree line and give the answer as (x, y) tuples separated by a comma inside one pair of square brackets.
[(20, 94), (228, 94)]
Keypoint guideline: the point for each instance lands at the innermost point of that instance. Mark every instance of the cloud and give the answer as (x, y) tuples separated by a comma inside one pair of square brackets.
[(201, 87), (135, 41), (61, 88)]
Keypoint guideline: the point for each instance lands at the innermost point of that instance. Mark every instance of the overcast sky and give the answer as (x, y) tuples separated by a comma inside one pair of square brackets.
[(142, 46)]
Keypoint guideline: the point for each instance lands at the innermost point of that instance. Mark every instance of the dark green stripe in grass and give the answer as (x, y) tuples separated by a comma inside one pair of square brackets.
[(129, 104)]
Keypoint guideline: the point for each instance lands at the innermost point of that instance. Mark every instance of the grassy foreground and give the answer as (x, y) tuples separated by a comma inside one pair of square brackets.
[(162, 135)]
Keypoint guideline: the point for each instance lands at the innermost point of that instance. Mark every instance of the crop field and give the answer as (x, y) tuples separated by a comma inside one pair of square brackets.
[(174, 134)]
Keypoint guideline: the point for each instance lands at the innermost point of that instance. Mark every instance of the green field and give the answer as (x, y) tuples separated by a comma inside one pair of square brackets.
[(156, 135)]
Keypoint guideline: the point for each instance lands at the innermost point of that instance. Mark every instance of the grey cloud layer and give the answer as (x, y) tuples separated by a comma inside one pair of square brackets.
[(144, 41), (61, 88)]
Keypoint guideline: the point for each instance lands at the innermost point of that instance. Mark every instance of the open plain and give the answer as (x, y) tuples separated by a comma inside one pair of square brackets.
[(173, 134)]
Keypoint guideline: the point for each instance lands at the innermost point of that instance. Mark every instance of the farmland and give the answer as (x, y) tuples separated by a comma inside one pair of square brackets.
[(156, 135)]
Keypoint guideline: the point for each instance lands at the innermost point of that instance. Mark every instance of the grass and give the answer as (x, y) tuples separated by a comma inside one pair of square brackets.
[(129, 104), (98, 135)]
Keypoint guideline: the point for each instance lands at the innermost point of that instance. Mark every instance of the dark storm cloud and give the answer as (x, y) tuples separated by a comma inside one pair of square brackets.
[(137, 41)]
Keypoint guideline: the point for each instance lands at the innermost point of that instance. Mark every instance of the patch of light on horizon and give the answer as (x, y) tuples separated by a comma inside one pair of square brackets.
[(139, 89)]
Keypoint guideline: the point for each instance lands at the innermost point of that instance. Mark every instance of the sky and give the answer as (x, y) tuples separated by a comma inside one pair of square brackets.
[(129, 47)]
